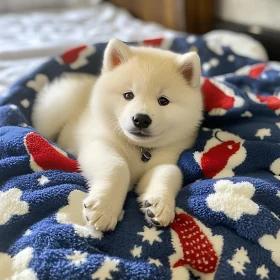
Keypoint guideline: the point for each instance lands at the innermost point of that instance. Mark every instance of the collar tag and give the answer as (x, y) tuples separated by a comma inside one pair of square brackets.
[(145, 155)]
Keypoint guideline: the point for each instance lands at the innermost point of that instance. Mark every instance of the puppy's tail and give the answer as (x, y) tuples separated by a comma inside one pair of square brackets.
[(60, 102)]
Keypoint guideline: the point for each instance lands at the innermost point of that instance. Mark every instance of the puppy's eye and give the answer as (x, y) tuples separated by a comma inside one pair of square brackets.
[(163, 101), (128, 95)]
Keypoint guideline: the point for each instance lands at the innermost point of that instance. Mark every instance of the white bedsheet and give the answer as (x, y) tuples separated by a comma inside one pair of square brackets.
[(28, 39)]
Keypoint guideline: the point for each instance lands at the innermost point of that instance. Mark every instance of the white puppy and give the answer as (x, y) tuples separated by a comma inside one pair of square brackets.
[(128, 127)]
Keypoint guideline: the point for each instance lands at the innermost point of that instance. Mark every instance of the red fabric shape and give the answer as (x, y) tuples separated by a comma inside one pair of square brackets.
[(272, 101), (72, 55), (153, 42), (215, 98), (198, 251), (256, 71), (216, 159), (46, 156)]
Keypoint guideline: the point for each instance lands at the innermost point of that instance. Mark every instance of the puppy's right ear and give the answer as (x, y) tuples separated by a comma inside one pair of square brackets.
[(190, 68), (115, 54)]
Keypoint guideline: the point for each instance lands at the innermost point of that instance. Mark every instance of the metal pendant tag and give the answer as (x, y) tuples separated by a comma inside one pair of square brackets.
[(146, 156)]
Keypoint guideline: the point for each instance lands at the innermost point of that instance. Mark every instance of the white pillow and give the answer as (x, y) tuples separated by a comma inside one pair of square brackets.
[(240, 43)]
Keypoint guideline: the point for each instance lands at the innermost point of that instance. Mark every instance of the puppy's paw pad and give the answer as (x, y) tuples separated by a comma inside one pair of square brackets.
[(159, 212)]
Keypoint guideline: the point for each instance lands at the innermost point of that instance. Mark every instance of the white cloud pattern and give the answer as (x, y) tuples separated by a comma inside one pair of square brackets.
[(233, 199), (272, 244), (11, 205), (16, 268), (72, 214)]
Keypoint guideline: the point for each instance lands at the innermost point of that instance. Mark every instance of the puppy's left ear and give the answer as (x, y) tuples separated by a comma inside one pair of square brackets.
[(115, 54), (190, 68)]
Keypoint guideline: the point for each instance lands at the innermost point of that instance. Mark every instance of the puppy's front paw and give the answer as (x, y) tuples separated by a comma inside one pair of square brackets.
[(158, 211), (103, 215)]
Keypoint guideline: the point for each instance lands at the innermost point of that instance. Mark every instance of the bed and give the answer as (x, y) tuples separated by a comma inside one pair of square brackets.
[(29, 38), (227, 223)]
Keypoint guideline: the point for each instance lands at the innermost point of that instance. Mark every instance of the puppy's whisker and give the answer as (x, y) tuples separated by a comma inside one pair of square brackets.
[(115, 126)]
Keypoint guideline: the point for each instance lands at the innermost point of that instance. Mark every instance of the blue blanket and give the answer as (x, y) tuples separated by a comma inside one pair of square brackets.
[(227, 223)]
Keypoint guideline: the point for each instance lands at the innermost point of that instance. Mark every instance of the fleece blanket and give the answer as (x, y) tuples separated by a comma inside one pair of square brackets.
[(227, 223)]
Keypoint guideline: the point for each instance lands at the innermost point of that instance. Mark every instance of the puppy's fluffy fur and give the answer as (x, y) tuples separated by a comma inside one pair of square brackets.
[(91, 118)]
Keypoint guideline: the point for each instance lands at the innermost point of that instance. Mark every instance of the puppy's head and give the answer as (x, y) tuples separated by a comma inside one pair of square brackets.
[(148, 96)]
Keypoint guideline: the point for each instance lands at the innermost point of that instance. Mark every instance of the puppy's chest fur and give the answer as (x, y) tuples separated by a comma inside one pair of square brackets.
[(138, 168), (80, 131), (132, 154)]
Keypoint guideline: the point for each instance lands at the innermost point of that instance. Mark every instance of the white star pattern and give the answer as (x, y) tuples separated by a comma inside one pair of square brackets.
[(73, 214), (278, 194), (262, 132), (11, 205), (277, 112), (136, 251), (231, 58), (233, 199), (271, 243), (28, 232), (23, 125), (13, 268), (221, 78), (247, 114), (275, 167), (104, 271), (39, 81), (278, 124), (43, 180), (262, 271), (13, 106), (238, 261), (151, 235), (25, 103), (155, 262), (191, 39), (214, 62), (217, 112), (77, 258), (206, 66)]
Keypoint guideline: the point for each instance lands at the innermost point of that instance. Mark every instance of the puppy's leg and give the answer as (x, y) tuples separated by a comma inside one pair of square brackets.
[(157, 192), (108, 175)]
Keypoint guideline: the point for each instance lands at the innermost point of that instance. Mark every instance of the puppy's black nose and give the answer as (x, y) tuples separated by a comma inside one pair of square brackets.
[(141, 121)]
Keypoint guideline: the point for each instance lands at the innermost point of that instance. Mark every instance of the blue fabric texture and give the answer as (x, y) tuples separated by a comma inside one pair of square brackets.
[(227, 223)]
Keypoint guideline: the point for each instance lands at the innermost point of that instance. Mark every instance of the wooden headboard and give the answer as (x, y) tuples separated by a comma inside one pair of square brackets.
[(198, 16), (193, 16)]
